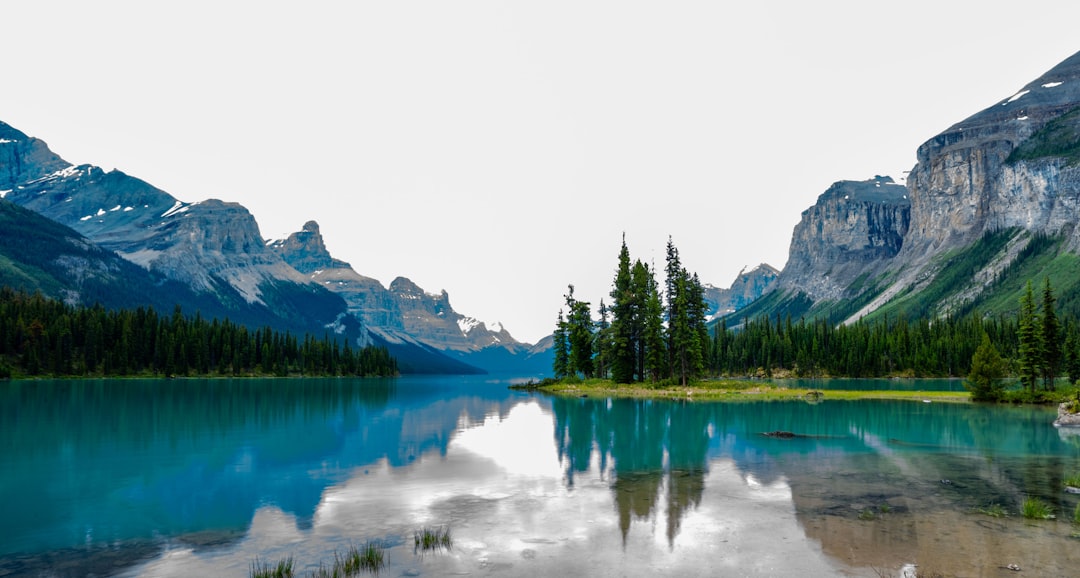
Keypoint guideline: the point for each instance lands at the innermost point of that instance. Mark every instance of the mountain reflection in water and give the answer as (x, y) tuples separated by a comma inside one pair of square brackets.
[(213, 473)]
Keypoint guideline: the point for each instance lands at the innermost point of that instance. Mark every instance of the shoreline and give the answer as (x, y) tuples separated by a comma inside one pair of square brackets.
[(730, 391)]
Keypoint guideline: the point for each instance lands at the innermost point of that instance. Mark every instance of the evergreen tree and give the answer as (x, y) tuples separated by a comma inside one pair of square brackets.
[(687, 335), (653, 338), (987, 369), (579, 335), (642, 283), (1051, 338), (1030, 347), (623, 306), (1072, 356), (602, 342)]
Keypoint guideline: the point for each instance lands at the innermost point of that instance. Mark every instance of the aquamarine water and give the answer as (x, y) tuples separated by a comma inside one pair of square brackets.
[(201, 477)]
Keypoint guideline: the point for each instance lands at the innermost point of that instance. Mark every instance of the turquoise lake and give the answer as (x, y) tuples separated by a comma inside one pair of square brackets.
[(202, 477)]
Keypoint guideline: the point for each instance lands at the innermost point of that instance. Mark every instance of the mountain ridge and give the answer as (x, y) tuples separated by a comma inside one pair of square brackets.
[(215, 248), (979, 199)]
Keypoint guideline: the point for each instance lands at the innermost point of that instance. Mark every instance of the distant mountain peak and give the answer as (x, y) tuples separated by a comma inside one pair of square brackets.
[(306, 251)]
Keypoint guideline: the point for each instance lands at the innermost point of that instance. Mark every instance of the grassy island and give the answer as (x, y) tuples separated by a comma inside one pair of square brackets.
[(734, 390)]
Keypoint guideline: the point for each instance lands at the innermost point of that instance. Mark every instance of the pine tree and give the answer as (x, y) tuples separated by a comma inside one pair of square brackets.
[(655, 358), (623, 345), (1051, 338), (579, 335), (602, 342), (1072, 356), (987, 369), (1030, 347)]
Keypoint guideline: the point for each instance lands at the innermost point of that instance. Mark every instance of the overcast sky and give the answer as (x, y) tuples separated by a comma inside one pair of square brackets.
[(499, 150)]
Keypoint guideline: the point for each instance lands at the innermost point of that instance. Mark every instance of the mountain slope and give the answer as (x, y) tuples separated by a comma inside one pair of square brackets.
[(207, 255), (993, 201)]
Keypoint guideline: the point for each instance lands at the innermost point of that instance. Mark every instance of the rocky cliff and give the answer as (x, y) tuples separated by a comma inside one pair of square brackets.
[(968, 179), (853, 230), (981, 191)]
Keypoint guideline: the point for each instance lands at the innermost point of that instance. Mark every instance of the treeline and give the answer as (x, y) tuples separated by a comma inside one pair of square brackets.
[(1035, 345), (921, 347), (41, 336)]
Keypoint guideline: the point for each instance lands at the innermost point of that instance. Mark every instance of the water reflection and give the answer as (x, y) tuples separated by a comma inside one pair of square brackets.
[(104, 461), (218, 472)]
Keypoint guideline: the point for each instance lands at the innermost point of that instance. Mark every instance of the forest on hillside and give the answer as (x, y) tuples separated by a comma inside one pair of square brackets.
[(44, 337)]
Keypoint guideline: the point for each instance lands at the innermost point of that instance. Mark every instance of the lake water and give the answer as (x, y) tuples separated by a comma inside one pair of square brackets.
[(201, 477)]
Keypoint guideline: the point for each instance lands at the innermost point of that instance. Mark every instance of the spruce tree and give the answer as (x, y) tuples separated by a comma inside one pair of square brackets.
[(579, 335), (1072, 356), (1029, 335), (561, 365), (987, 369), (602, 342), (1051, 338), (655, 358), (623, 346)]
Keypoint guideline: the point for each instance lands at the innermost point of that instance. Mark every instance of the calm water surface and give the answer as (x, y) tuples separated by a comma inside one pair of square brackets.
[(200, 477)]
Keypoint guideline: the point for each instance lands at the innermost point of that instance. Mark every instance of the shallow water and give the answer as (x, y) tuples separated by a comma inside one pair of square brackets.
[(186, 477)]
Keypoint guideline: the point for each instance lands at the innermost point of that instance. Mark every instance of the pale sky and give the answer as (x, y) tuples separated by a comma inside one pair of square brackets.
[(499, 149)]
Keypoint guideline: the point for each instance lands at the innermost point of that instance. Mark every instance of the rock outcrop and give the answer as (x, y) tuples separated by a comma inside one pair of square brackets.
[(853, 230), (969, 179)]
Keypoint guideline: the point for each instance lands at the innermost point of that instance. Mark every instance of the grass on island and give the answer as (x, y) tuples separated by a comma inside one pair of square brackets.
[(723, 390)]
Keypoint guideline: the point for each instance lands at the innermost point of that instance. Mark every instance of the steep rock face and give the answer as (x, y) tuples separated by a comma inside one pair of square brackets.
[(367, 298), (853, 230), (431, 319), (400, 313), (747, 286), (306, 251), (966, 184), (209, 240)]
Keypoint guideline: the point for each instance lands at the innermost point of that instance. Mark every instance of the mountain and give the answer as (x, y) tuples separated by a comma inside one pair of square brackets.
[(993, 201), (745, 289), (405, 313), (207, 256), (40, 255)]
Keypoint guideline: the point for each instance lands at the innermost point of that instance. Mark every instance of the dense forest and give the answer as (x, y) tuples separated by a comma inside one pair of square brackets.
[(44, 337), (1035, 345), (657, 335)]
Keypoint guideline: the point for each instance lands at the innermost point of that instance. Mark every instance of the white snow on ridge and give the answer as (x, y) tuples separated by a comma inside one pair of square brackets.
[(99, 212), (87, 218), (114, 209), (4, 193), (467, 324), (126, 209), (6, 140), (1047, 85), (1015, 97), (178, 207)]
